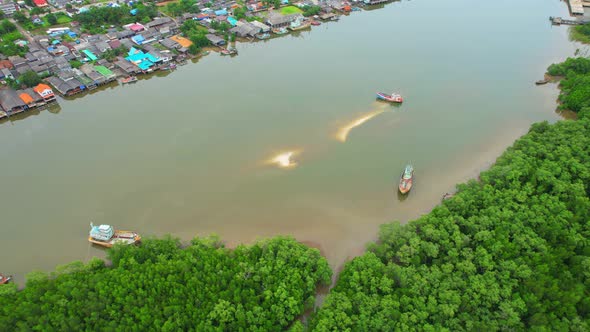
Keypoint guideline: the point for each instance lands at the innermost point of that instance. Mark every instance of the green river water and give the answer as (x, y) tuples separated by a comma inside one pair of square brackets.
[(188, 153)]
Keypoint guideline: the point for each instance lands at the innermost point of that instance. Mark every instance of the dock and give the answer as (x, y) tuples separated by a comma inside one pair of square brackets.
[(560, 21), (576, 7)]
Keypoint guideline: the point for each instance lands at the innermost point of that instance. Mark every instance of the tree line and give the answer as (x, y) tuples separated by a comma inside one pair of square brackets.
[(575, 85), (160, 286), (510, 251)]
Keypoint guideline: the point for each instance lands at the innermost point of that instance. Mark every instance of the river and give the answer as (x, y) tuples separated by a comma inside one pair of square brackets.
[(190, 153)]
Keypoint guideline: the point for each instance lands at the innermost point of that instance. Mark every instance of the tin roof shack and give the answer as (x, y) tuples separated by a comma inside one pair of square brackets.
[(245, 30), (162, 55), (215, 40), (169, 43), (107, 73), (276, 20), (94, 75), (263, 27), (126, 67), (8, 8), (31, 98), (17, 61), (10, 101)]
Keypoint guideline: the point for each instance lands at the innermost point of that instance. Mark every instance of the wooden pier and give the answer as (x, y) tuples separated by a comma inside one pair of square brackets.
[(560, 21)]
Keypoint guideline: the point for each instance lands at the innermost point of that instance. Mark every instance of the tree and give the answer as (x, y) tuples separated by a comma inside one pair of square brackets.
[(161, 286), (240, 12), (19, 17), (7, 27), (194, 49), (51, 19), (29, 79)]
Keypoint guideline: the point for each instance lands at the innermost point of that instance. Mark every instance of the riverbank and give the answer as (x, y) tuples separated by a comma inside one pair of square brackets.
[(134, 156), (74, 62), (483, 258)]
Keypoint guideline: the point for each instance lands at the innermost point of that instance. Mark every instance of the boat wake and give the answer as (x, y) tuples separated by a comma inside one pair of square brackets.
[(342, 133)]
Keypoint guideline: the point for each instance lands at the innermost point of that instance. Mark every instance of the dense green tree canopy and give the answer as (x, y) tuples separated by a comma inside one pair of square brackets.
[(160, 287), (509, 252), (98, 17), (575, 86), (29, 79)]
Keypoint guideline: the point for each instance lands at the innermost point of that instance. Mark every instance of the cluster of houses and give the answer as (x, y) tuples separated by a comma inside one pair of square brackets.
[(17, 101), (73, 62)]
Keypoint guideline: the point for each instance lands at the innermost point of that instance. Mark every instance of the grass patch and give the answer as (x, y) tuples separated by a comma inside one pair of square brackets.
[(290, 10)]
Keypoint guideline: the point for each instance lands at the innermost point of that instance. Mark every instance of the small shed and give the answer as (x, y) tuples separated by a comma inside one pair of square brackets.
[(215, 40)]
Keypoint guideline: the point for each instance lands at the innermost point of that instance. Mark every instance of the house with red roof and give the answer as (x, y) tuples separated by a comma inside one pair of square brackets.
[(44, 91), (40, 3)]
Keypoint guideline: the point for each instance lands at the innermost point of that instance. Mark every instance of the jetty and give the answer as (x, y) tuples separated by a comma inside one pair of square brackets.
[(560, 21)]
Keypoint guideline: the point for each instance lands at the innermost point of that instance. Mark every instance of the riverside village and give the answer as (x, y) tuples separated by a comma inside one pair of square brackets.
[(68, 47)]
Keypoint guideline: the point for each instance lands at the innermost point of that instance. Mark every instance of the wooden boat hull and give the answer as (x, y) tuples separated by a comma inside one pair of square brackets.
[(5, 279), (129, 81), (124, 237), (405, 186), (406, 180), (301, 27), (388, 98), (541, 82)]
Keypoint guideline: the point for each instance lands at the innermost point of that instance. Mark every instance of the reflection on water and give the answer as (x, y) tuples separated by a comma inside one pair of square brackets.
[(284, 159), (343, 132)]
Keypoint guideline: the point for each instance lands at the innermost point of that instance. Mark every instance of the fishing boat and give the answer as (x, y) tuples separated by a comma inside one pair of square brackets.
[(107, 236), (299, 24), (263, 36), (229, 51), (316, 23), (405, 182), (392, 98), (4, 279), (129, 79), (280, 31), (541, 82)]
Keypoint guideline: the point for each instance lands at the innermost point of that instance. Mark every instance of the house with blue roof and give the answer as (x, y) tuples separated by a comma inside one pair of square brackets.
[(232, 21), (90, 55), (221, 12), (144, 61), (138, 39)]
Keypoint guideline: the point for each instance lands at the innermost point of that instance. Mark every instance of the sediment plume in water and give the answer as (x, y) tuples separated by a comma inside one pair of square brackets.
[(342, 133), (284, 159)]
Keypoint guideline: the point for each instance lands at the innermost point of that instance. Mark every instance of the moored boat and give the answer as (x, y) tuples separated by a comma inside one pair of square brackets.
[(405, 182), (229, 51), (263, 36), (280, 31), (393, 98), (107, 236), (129, 79), (4, 279), (299, 25), (541, 82), (316, 23)]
